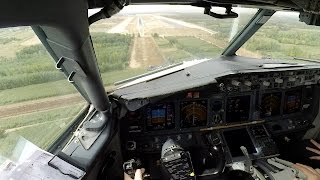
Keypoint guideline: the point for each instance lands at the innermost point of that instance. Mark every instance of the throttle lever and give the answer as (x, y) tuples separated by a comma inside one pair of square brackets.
[(130, 167), (248, 162)]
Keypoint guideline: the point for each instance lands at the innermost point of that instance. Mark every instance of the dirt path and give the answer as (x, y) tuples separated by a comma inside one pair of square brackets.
[(145, 53), (39, 105), (31, 125)]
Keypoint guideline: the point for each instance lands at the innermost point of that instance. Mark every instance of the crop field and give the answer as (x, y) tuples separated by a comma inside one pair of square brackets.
[(40, 127), (184, 48), (282, 36), (28, 75)]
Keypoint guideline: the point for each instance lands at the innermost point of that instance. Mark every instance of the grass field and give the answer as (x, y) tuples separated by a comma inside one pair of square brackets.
[(41, 128), (13, 40), (58, 88), (283, 36), (177, 49)]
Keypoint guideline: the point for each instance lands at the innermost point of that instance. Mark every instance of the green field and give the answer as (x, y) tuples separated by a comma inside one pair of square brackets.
[(283, 36), (41, 128), (184, 48), (58, 88), (29, 74)]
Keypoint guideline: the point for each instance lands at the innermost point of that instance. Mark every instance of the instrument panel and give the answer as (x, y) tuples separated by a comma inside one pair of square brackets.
[(280, 106), (241, 110), (234, 99), (184, 112)]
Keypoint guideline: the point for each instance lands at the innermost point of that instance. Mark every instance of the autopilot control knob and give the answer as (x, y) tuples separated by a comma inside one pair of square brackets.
[(248, 83), (235, 83), (266, 83), (278, 80), (292, 79)]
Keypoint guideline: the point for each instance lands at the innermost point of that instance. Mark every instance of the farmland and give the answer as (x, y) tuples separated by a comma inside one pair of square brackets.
[(41, 127)]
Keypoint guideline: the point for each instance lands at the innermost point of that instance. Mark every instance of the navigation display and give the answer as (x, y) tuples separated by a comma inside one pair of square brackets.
[(237, 138), (292, 101), (193, 113), (271, 104), (160, 116), (238, 109)]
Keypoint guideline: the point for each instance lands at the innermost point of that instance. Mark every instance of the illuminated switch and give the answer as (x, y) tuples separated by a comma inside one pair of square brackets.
[(189, 95), (248, 83), (235, 83), (157, 146), (306, 106), (156, 139), (278, 80), (178, 138), (196, 95), (292, 79), (266, 83)]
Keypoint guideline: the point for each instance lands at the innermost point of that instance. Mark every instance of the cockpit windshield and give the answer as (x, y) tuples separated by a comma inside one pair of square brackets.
[(132, 42), (284, 37)]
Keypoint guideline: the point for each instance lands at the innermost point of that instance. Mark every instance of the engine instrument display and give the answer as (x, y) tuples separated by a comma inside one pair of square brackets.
[(193, 113), (271, 104), (238, 109), (237, 138), (160, 116), (292, 101)]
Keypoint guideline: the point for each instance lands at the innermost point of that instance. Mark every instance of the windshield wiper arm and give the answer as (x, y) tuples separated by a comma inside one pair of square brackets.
[(257, 21)]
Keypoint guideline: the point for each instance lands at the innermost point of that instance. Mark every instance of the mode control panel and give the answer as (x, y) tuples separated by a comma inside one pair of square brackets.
[(269, 80), (286, 125)]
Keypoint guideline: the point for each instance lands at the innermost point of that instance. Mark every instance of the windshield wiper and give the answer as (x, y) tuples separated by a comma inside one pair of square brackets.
[(257, 21)]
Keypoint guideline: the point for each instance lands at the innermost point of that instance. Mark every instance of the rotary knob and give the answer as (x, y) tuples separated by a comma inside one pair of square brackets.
[(248, 83), (292, 79), (235, 83), (278, 80), (266, 83)]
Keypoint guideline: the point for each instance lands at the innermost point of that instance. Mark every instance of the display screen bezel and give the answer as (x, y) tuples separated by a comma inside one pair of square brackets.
[(285, 101), (251, 104), (193, 100), (165, 126), (280, 106), (283, 92), (256, 151)]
